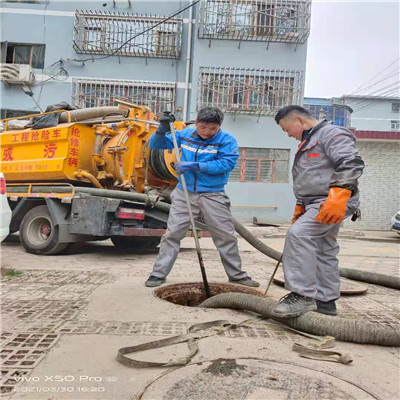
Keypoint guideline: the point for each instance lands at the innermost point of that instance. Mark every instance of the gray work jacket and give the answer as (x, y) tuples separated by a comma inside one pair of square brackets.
[(327, 158)]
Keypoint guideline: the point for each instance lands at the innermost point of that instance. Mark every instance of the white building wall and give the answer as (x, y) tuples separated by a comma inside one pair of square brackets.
[(379, 185), (52, 24), (372, 114)]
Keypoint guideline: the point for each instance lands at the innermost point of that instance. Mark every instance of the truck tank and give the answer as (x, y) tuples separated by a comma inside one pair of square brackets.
[(104, 147)]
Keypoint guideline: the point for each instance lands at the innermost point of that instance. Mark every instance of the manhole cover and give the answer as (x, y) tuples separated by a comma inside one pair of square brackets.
[(249, 379), (193, 294)]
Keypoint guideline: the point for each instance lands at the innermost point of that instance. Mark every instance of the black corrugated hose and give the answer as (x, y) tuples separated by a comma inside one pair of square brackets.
[(364, 276), (343, 329)]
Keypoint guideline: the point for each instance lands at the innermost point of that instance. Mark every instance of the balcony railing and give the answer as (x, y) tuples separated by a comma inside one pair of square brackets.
[(114, 33), (158, 96), (249, 91), (260, 20)]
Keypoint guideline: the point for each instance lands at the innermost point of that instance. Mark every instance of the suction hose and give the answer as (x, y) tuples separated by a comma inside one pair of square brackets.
[(256, 243), (364, 276), (94, 112), (347, 330), (371, 277), (357, 275), (343, 329)]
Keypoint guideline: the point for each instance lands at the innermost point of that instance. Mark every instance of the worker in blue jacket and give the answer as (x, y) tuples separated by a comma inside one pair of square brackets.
[(208, 154)]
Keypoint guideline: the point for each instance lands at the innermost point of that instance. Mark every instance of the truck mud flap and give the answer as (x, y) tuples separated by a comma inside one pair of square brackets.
[(93, 215)]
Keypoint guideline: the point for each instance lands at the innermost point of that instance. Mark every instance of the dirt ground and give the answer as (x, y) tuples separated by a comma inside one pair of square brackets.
[(65, 317)]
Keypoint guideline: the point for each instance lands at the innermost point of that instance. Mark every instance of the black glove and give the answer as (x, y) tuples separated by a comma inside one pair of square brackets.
[(165, 120)]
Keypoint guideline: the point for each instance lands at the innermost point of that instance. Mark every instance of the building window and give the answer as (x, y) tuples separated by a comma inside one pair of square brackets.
[(111, 33), (7, 113), (339, 115), (395, 125), (249, 91), (158, 96), (261, 165), (396, 107), (264, 20), (21, 53)]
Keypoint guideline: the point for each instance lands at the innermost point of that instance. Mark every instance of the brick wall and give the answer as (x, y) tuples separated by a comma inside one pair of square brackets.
[(379, 185)]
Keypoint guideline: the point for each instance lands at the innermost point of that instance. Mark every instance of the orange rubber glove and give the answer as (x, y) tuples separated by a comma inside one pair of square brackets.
[(298, 212), (333, 209)]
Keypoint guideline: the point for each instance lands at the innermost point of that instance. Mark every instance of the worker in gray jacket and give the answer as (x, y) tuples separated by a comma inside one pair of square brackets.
[(325, 171)]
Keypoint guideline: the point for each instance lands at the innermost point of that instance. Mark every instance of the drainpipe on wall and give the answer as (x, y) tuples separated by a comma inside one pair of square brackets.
[(188, 61)]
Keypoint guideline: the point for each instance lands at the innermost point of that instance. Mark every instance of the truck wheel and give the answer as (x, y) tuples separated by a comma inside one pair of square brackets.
[(38, 234), (136, 243)]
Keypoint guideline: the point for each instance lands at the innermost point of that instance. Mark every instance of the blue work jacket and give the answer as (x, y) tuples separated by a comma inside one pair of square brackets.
[(216, 156)]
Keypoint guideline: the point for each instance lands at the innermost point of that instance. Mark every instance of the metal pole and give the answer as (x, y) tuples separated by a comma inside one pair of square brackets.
[(193, 224), (185, 113), (272, 276)]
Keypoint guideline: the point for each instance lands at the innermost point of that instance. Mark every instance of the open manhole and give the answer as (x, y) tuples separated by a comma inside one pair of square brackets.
[(193, 294)]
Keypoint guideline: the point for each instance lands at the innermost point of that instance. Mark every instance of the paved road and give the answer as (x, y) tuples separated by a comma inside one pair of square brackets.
[(65, 317)]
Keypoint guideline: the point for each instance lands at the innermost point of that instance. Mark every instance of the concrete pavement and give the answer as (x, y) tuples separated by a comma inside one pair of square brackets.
[(64, 318)]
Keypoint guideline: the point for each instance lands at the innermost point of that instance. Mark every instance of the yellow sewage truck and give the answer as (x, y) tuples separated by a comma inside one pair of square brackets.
[(68, 183)]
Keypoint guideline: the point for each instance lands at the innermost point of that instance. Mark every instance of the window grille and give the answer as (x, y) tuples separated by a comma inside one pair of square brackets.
[(105, 33), (249, 91), (262, 20), (261, 165), (158, 96), (8, 113), (396, 107), (395, 125)]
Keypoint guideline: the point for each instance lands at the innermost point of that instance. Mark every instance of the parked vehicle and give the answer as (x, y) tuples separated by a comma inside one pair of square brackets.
[(5, 209), (396, 223), (51, 171)]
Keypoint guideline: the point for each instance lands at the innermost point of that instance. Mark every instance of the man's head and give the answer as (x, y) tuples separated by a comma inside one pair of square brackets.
[(294, 120), (209, 121)]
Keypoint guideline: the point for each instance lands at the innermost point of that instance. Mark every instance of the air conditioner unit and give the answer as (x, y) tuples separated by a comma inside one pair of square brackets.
[(20, 74)]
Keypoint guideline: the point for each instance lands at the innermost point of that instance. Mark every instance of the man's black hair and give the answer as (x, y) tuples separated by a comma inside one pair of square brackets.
[(210, 114), (297, 110)]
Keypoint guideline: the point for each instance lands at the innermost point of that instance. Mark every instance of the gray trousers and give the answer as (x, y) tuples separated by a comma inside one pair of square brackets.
[(310, 265), (214, 209)]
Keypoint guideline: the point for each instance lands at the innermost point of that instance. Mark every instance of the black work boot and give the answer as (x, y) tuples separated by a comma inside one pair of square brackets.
[(326, 307), (293, 305)]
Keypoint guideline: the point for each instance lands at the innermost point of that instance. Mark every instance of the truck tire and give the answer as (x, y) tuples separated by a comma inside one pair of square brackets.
[(38, 234), (136, 243)]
